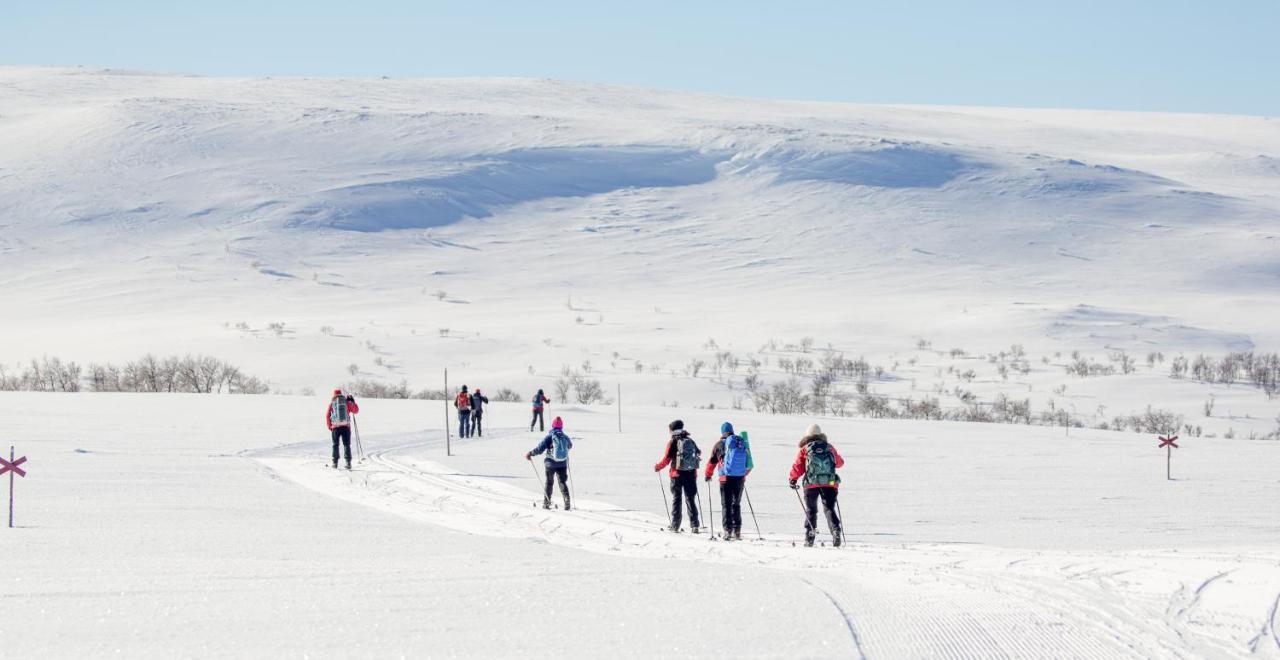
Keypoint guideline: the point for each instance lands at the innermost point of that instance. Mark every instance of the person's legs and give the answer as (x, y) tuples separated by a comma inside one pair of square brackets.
[(735, 502), (811, 514), (829, 496), (546, 491), (677, 508), (463, 415), (563, 474), (724, 508), (336, 436), (475, 423), (689, 483), (346, 444)]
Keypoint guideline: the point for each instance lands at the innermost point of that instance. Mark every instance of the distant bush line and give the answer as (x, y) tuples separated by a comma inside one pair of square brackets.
[(198, 374), (372, 389)]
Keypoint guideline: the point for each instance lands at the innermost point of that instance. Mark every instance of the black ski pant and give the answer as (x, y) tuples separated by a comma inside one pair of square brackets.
[(828, 495), (475, 423), (343, 433), (552, 474), (537, 419), (731, 502), (685, 485), (464, 423)]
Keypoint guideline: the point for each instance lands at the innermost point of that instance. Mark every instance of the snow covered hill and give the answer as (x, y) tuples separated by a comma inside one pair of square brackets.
[(509, 227)]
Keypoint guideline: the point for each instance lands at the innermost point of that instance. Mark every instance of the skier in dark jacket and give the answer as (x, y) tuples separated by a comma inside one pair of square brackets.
[(557, 445), (463, 403), (731, 461), (816, 464), (338, 418), (683, 455), (477, 411), (538, 400)]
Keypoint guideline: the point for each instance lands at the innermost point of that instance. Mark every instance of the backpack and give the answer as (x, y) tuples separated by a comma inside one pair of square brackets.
[(687, 454), (463, 402), (820, 465), (559, 446), (338, 415), (537, 402), (735, 456)]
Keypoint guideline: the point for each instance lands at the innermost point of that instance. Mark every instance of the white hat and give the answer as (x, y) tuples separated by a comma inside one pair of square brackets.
[(814, 429)]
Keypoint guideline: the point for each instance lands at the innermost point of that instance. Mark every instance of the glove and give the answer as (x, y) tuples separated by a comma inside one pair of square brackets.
[(706, 479), (657, 468), (350, 399), (794, 485), (528, 456)]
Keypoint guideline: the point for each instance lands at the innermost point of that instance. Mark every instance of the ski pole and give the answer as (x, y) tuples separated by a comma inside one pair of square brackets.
[(359, 445), (665, 507), (804, 508), (711, 507), (840, 514), (747, 493), (573, 485)]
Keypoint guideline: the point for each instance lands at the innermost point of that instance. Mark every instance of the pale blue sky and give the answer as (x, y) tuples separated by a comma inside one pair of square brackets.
[(1214, 56)]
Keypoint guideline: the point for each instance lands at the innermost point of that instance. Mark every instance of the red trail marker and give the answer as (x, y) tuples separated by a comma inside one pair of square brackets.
[(12, 467), (1170, 443)]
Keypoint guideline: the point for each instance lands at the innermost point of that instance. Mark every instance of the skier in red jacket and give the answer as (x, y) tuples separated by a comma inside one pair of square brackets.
[(683, 455), (338, 418), (816, 464)]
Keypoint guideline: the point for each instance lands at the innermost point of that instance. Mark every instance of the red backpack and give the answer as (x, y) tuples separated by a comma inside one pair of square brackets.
[(463, 402)]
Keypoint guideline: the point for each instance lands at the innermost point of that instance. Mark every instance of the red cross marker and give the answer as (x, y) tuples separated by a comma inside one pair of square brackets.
[(1169, 444), (12, 467), (6, 466)]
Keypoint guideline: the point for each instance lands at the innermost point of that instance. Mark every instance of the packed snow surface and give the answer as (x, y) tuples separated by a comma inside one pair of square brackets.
[(161, 525)]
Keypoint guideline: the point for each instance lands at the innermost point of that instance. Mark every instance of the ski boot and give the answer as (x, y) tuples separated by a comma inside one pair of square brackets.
[(546, 504), (693, 529), (728, 534), (335, 463), (837, 537), (737, 535), (348, 464), (809, 536), (566, 505), (673, 528)]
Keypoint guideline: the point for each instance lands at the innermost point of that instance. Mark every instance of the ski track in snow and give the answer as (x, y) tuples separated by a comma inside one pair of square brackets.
[(937, 600)]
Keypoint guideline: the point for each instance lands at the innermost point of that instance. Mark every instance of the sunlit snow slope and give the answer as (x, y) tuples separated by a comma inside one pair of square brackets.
[(541, 223)]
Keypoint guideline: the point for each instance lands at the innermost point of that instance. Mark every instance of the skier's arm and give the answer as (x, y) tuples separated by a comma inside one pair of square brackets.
[(666, 458), (714, 460), (542, 446), (797, 468), (750, 461), (839, 461), (351, 405)]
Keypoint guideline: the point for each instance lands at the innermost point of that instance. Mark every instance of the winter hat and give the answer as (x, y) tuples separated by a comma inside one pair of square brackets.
[(676, 425), (464, 388), (813, 430), (726, 429), (557, 423), (337, 392)]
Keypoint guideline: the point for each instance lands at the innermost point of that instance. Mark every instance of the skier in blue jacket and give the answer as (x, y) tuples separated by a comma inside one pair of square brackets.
[(557, 446)]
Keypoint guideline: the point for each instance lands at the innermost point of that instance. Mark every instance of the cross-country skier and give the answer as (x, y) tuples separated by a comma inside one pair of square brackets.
[(538, 400), (463, 403), (557, 445), (477, 411), (683, 455), (338, 418), (731, 460), (816, 464)]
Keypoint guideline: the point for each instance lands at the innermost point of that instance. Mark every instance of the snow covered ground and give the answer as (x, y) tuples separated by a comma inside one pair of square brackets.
[(672, 246), (160, 525), (512, 227)]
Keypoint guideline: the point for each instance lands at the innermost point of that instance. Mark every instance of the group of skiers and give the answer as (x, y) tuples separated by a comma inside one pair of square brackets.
[(814, 468), (470, 412)]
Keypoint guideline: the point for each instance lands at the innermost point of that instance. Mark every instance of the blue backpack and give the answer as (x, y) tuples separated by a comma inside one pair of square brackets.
[(559, 446), (735, 457)]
